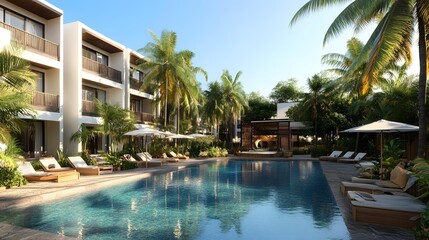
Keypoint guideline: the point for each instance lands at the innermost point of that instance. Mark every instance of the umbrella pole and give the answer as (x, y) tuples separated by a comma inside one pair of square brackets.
[(381, 154)]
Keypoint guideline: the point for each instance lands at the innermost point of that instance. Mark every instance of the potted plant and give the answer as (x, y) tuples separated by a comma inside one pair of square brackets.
[(114, 160)]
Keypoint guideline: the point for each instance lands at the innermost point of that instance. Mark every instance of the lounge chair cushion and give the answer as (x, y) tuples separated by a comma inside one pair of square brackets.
[(387, 184), (399, 176), (406, 203)]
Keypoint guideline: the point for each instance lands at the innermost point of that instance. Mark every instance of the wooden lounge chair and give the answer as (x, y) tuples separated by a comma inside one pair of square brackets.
[(400, 181), (31, 175), (50, 164), (80, 165), (333, 157), (356, 159), (147, 158), (392, 210), (129, 158)]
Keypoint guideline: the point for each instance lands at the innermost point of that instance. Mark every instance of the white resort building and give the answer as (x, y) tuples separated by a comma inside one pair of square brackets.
[(76, 65)]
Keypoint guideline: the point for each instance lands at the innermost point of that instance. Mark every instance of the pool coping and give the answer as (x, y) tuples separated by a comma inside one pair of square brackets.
[(36, 193)]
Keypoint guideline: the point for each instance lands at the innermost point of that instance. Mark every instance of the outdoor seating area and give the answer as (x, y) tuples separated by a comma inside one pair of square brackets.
[(27, 170)]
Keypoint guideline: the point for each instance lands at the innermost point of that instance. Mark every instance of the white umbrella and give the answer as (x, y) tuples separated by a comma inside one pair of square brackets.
[(144, 132), (195, 135), (180, 136), (383, 126)]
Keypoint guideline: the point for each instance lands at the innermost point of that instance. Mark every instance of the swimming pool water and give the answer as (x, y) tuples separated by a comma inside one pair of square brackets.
[(224, 200)]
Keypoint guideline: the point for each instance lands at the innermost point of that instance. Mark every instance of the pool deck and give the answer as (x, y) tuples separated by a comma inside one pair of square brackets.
[(42, 192)]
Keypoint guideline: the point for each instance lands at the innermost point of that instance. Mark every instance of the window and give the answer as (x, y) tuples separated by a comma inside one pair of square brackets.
[(95, 56), (15, 20), (90, 94), (34, 28), (40, 81), (21, 22), (135, 105), (136, 74)]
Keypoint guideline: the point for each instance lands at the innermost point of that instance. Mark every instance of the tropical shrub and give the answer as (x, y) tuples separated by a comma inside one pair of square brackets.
[(128, 165), (9, 174), (217, 152), (319, 150), (200, 144), (62, 159), (421, 170)]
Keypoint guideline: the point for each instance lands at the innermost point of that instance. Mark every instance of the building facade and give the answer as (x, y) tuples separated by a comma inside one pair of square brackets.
[(37, 27), (76, 66)]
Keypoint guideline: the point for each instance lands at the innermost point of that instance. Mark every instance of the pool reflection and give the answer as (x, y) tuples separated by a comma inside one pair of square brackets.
[(225, 200)]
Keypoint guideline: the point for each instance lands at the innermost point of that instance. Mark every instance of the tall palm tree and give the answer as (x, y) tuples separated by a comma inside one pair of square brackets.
[(235, 100), (167, 71), (391, 40), (188, 91), (116, 122), (341, 63), (317, 100), (16, 87), (214, 106)]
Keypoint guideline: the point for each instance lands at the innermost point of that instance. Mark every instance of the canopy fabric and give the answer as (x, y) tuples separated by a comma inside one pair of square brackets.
[(144, 132), (383, 126), (180, 136)]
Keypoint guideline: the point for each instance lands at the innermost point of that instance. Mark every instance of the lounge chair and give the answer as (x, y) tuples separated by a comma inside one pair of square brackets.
[(346, 155), (129, 158), (80, 165), (147, 158), (171, 156), (28, 172), (356, 159), (50, 164), (332, 157), (392, 210), (400, 181)]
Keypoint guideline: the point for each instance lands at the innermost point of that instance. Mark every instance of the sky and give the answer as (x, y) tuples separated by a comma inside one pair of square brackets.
[(252, 36)]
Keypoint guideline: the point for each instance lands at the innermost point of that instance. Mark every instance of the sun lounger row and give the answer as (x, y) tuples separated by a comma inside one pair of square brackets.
[(335, 156), (384, 202)]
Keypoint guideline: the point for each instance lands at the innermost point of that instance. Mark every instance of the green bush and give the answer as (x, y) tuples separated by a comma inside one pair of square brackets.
[(9, 174), (217, 152), (87, 158), (319, 150), (62, 159), (421, 169), (128, 165), (200, 144), (114, 159), (37, 165)]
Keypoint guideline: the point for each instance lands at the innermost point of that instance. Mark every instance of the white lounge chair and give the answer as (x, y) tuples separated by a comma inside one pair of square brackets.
[(28, 172), (147, 158), (50, 164), (80, 165), (392, 210), (130, 158), (400, 181), (332, 157), (356, 159)]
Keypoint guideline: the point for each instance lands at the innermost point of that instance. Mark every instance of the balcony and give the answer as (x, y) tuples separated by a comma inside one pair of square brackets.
[(45, 101), (135, 84), (88, 108), (101, 70), (143, 117), (30, 41)]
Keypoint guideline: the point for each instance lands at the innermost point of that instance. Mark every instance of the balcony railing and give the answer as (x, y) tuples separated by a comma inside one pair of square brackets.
[(101, 70), (88, 108), (45, 101), (29, 40), (135, 84), (143, 117)]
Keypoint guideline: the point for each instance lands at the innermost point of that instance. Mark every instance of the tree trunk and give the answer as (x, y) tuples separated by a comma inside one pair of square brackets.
[(422, 87)]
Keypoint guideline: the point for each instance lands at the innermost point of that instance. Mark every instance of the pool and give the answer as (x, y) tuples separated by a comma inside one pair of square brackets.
[(223, 200)]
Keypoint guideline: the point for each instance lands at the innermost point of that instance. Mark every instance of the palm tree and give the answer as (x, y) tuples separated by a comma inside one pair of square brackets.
[(16, 86), (341, 64), (317, 100), (83, 135), (391, 40), (166, 67), (235, 100), (116, 122), (214, 106), (188, 91)]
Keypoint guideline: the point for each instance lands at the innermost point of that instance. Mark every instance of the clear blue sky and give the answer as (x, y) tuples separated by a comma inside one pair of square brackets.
[(253, 36)]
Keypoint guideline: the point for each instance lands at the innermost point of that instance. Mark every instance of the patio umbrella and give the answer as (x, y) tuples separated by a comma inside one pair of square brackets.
[(179, 136), (144, 132), (195, 135), (383, 126)]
